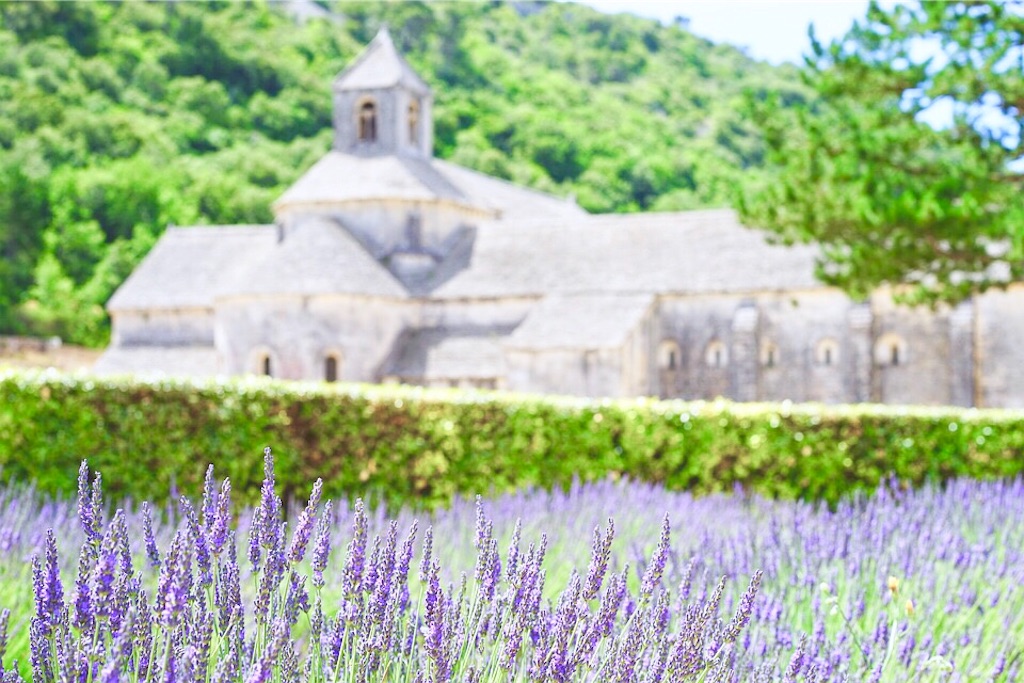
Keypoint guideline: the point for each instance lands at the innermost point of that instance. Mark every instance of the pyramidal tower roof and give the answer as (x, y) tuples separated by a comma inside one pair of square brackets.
[(380, 66)]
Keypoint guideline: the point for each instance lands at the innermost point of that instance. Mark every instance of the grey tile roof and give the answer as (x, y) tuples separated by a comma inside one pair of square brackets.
[(158, 361), (694, 252), (513, 202), (192, 267), (589, 321), (316, 256), (338, 177), (187, 266), (436, 353), (380, 66)]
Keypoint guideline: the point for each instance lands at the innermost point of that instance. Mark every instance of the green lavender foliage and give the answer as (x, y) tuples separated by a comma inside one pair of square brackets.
[(422, 447)]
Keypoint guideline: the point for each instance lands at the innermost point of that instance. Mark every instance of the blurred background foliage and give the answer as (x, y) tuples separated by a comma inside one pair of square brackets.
[(118, 119)]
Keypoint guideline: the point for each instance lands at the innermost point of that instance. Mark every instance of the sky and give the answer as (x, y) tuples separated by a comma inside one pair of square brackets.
[(772, 30)]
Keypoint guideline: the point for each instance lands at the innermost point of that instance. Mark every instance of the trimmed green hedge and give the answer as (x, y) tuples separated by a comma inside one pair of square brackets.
[(423, 446)]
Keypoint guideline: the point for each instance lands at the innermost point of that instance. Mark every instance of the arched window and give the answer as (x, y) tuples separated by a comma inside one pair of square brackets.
[(826, 352), (716, 355), (769, 355), (332, 367), (262, 361), (367, 121), (891, 350), (414, 122), (669, 355)]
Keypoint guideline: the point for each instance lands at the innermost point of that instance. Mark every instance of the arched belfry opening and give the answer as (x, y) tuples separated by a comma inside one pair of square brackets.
[(367, 121), (413, 120)]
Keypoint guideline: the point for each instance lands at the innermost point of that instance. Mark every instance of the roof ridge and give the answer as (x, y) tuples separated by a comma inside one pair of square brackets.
[(505, 181), (223, 228)]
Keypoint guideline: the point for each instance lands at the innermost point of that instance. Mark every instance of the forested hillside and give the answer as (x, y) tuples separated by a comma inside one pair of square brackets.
[(117, 119)]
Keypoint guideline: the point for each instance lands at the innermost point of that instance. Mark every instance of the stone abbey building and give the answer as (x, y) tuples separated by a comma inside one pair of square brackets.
[(385, 264)]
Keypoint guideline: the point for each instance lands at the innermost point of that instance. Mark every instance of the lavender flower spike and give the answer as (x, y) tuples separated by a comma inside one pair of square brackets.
[(657, 566), (218, 531), (745, 609), (87, 515), (5, 617), (601, 552), (356, 558), (304, 527), (322, 544), (262, 670), (270, 506), (428, 549), (209, 499), (147, 529), (54, 589)]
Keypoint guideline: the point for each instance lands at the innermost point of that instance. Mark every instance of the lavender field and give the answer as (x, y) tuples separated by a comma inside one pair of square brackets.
[(612, 581)]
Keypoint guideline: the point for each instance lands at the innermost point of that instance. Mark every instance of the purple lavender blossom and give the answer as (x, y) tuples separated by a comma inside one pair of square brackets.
[(255, 534), (652, 576), (304, 527), (5, 618), (297, 599), (84, 615), (262, 670), (745, 609), (228, 668), (269, 511), (199, 542), (175, 581), (228, 595), (103, 578), (270, 578), (209, 499), (96, 503), (322, 544), (795, 663), (218, 529), (466, 631), (147, 529), (434, 638), (601, 549), (88, 515), (54, 590), (356, 556), (512, 555), (427, 560)]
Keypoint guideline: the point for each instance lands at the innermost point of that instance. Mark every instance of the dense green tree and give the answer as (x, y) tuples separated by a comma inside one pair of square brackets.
[(907, 165), (23, 202)]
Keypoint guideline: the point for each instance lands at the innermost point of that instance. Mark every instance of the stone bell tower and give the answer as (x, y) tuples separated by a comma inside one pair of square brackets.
[(381, 107)]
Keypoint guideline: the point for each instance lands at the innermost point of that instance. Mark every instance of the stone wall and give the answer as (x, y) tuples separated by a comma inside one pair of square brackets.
[(299, 333), (163, 327), (574, 372), (911, 354), (821, 346), (815, 353), (1001, 349)]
